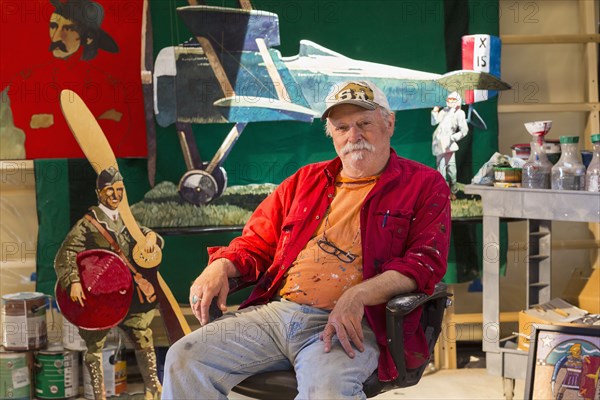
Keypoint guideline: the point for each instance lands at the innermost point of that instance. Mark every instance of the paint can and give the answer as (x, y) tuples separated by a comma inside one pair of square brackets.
[(15, 375), (114, 368), (56, 373), (71, 339), (24, 316)]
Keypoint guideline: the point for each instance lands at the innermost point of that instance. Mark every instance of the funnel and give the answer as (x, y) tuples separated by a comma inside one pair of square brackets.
[(538, 129)]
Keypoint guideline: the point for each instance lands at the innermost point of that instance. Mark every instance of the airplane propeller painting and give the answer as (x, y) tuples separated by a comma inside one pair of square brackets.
[(229, 73)]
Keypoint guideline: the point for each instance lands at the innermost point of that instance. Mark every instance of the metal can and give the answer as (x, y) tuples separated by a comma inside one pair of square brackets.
[(24, 316), (56, 373), (15, 375)]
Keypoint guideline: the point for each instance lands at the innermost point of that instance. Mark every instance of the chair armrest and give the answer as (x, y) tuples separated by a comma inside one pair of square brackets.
[(235, 284), (431, 320), (406, 303)]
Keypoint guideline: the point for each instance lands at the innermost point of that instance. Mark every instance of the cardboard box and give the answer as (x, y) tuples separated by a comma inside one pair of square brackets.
[(574, 286), (589, 298), (555, 312)]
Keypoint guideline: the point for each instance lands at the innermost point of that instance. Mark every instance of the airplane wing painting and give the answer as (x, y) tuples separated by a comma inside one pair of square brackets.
[(229, 73), (188, 90)]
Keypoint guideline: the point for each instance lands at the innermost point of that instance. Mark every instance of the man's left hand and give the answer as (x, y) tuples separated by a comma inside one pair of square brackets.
[(345, 321)]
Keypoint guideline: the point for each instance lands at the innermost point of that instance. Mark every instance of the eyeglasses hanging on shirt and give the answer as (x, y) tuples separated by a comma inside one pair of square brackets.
[(330, 248)]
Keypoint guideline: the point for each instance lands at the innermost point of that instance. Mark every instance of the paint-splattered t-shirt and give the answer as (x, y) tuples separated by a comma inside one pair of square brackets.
[(318, 278)]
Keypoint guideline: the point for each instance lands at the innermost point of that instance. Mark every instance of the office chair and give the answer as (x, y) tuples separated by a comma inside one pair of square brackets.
[(281, 385)]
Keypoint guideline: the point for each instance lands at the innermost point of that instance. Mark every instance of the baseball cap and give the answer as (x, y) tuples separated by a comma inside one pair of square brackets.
[(361, 93)]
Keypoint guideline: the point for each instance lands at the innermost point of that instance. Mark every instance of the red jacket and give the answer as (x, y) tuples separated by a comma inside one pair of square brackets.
[(405, 223)]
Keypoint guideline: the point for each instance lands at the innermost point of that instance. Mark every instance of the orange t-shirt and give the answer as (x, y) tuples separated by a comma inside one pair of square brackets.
[(318, 278)]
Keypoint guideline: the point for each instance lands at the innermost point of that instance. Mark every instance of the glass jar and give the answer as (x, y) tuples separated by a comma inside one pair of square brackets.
[(569, 172), (537, 169), (592, 176)]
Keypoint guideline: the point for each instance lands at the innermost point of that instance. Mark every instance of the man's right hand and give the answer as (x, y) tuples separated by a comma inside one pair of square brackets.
[(77, 293), (212, 282)]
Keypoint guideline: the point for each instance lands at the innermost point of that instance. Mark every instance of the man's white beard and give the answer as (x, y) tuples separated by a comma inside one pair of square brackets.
[(356, 156)]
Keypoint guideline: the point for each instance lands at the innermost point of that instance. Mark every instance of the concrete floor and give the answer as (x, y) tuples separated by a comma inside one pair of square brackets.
[(463, 384), (459, 384)]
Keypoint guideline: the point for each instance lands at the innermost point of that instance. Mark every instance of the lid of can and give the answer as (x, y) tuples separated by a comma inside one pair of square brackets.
[(569, 139), (53, 348), (23, 296), (596, 138)]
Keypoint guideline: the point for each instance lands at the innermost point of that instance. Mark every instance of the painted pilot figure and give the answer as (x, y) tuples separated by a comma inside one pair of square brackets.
[(76, 37), (451, 127), (573, 365), (93, 232)]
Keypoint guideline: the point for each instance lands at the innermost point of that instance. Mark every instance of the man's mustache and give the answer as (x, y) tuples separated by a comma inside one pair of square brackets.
[(58, 45), (362, 145)]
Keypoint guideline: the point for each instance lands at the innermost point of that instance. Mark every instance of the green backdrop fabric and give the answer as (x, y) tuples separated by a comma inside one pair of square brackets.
[(408, 34)]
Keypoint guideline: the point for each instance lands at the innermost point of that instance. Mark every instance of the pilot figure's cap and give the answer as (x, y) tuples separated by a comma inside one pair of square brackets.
[(360, 93), (108, 177)]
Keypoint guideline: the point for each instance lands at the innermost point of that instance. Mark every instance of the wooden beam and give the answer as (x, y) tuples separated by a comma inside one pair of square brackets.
[(577, 38), (549, 107), (566, 244), (477, 318)]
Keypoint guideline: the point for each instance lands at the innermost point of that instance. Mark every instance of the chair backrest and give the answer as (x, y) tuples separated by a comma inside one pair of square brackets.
[(281, 385)]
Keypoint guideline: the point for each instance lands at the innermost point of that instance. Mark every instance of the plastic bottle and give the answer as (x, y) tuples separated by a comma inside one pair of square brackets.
[(537, 169), (592, 176), (569, 171)]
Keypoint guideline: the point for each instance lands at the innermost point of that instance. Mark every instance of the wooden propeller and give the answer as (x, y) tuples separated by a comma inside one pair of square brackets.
[(97, 150)]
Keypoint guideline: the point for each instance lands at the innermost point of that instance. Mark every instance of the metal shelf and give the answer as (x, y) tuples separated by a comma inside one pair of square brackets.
[(539, 207)]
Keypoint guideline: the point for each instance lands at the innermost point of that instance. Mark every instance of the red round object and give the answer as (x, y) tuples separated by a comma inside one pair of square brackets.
[(108, 288)]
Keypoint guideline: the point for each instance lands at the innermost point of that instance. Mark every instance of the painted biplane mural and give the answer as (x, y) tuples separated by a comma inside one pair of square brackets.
[(229, 73)]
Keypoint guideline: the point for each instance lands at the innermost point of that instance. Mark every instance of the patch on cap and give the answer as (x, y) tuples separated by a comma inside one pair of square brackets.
[(356, 91)]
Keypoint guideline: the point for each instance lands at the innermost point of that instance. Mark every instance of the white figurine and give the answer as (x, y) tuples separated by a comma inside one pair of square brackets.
[(452, 127)]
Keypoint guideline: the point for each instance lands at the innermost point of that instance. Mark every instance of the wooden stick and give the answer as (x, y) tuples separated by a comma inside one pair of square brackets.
[(245, 4), (282, 93), (217, 67), (232, 137)]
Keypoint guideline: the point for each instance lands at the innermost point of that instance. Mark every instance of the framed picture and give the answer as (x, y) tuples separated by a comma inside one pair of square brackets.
[(563, 363)]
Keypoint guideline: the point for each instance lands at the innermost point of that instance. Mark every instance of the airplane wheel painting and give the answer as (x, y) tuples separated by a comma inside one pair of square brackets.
[(198, 187)]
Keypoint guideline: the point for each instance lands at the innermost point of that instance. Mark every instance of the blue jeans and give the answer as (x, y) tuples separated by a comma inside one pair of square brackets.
[(280, 335)]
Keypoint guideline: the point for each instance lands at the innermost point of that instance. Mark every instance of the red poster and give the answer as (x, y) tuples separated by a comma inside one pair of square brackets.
[(90, 47), (588, 384)]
